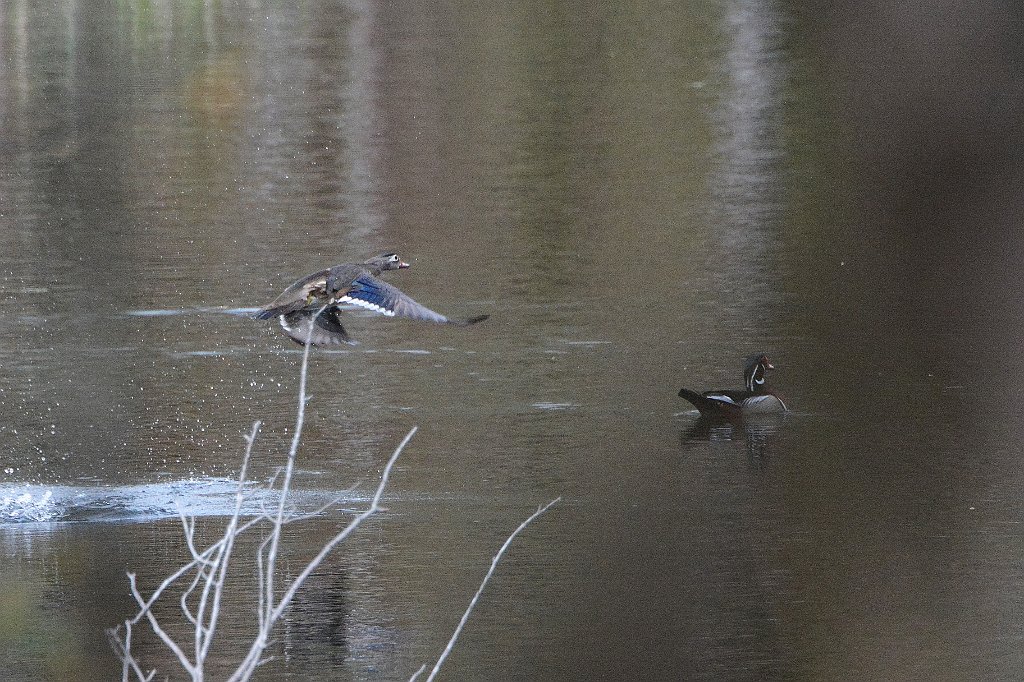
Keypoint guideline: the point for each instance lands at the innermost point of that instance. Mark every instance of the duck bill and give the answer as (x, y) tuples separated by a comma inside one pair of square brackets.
[(402, 265)]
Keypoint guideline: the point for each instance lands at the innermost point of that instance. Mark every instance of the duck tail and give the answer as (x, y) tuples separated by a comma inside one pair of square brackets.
[(703, 404)]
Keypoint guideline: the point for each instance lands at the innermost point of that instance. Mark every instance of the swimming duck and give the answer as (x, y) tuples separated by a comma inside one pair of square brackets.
[(756, 398), (348, 283)]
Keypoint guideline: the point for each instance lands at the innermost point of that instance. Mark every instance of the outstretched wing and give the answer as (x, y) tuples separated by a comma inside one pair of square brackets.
[(377, 295), (297, 296), (326, 328)]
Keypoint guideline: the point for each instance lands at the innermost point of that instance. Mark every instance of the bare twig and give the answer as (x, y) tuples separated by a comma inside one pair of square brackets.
[(123, 648), (201, 598), (270, 613), (229, 541), (210, 568), (353, 524), (472, 603), (300, 418), (326, 507), (161, 633)]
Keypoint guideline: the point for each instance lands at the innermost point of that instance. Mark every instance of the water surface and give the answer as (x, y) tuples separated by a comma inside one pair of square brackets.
[(638, 199)]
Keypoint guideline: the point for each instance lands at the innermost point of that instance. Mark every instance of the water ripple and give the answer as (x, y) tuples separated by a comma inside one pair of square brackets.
[(137, 503)]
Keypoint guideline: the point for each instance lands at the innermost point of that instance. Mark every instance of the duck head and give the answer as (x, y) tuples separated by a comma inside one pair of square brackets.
[(754, 370), (386, 261)]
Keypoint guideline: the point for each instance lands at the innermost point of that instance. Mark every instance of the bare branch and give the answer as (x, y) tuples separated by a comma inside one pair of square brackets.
[(269, 614), (167, 582), (220, 570), (300, 418), (123, 649), (261, 572), (209, 567), (183, 600), (472, 603), (372, 509), (206, 573), (324, 508), (161, 633)]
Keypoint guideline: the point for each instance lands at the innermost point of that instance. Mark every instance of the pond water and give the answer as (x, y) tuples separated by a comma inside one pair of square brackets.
[(638, 199)]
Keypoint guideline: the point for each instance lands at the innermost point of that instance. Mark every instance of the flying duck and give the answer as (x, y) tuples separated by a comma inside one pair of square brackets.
[(349, 283), (756, 398)]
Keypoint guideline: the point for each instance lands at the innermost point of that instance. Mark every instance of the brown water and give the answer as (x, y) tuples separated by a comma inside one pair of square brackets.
[(638, 199)]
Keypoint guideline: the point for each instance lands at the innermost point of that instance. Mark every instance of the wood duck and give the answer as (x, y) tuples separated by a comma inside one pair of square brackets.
[(351, 283), (756, 398)]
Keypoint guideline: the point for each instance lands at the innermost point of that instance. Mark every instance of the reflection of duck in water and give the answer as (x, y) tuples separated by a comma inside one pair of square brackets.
[(755, 432), (755, 398), (349, 283)]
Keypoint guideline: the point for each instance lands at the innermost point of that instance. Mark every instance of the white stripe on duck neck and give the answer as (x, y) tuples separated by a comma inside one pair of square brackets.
[(753, 381)]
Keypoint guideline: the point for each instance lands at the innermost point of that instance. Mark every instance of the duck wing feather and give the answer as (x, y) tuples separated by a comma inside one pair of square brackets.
[(297, 296), (377, 295)]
